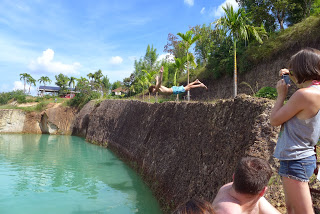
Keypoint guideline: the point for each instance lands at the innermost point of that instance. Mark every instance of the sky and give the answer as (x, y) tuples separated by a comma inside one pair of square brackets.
[(78, 37)]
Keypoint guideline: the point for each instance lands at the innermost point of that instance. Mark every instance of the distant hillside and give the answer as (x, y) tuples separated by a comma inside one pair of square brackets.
[(259, 65)]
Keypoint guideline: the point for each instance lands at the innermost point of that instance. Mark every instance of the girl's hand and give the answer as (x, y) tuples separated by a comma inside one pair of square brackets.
[(282, 89), (283, 71)]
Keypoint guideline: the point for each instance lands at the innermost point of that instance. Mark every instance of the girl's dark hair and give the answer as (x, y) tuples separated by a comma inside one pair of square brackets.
[(195, 206), (305, 65), (151, 88)]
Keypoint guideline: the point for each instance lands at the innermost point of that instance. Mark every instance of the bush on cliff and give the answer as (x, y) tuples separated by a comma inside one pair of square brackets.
[(83, 98), (267, 92), (18, 95)]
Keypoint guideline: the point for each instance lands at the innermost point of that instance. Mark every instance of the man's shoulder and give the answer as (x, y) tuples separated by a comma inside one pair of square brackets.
[(227, 207), (224, 203)]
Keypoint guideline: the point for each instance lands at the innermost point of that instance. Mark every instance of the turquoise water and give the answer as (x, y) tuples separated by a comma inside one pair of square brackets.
[(64, 174)]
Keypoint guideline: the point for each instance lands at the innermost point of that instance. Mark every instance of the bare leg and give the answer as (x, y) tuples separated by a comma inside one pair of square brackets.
[(298, 197), (195, 82), (194, 85), (159, 79)]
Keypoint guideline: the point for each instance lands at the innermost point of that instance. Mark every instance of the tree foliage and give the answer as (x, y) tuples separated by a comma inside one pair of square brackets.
[(276, 13), (62, 81), (237, 25), (173, 46)]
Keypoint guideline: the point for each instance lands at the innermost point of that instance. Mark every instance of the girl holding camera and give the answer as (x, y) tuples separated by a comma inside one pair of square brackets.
[(300, 130)]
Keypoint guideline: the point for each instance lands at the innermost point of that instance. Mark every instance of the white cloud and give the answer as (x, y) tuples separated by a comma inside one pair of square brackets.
[(5, 87), (132, 58), (189, 2), (116, 60), (168, 57), (45, 63), (218, 12), (18, 85), (203, 10)]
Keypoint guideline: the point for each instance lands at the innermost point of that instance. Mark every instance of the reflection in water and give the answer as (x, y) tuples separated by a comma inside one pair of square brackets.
[(63, 174)]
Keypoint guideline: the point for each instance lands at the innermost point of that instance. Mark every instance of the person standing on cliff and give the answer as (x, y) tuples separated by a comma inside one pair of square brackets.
[(245, 193), (300, 128), (174, 89)]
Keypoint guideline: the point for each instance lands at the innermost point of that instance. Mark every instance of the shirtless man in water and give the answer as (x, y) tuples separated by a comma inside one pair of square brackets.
[(245, 194), (174, 89)]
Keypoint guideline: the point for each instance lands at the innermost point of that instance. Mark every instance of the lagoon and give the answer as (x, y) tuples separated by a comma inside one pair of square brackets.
[(65, 174)]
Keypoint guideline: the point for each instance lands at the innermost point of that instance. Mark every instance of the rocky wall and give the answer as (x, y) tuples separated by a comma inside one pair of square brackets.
[(183, 149), (54, 120)]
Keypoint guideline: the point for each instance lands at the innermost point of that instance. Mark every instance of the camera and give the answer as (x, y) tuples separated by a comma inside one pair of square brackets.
[(286, 78)]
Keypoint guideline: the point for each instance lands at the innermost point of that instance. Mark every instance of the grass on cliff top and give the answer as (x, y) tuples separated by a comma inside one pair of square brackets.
[(301, 34), (38, 107)]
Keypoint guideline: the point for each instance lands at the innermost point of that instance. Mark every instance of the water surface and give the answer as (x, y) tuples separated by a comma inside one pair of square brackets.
[(64, 174)]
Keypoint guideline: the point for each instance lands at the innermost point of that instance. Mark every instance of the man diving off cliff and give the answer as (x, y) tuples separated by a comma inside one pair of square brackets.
[(174, 89)]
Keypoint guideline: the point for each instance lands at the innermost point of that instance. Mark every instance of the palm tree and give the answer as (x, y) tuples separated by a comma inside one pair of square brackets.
[(179, 66), (31, 81), (44, 80), (72, 82), (188, 40), (148, 78), (24, 76), (90, 76), (237, 24)]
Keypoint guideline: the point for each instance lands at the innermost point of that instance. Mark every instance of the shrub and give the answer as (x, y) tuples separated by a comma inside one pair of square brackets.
[(267, 92), (83, 98), (40, 106)]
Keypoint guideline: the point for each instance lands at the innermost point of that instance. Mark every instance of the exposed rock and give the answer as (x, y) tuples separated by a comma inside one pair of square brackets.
[(12, 121), (55, 120), (185, 149), (32, 123), (58, 119)]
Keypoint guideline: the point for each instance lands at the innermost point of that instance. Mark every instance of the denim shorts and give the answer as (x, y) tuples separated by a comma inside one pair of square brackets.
[(300, 170)]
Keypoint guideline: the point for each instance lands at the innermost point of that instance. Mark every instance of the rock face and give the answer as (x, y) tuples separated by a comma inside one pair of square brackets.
[(12, 120), (54, 120), (182, 149)]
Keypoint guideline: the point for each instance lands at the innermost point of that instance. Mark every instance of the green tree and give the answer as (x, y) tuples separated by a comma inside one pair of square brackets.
[(149, 77), (270, 13), (72, 81), (237, 25), (24, 76), (97, 77), (188, 40), (315, 9), (205, 43), (179, 65), (151, 57), (299, 11), (90, 76), (259, 11), (31, 81), (142, 81), (116, 84), (173, 46), (62, 81), (44, 80), (106, 84)]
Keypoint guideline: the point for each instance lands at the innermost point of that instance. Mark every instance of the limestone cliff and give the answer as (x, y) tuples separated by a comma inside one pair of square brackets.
[(184, 149), (54, 120), (12, 120)]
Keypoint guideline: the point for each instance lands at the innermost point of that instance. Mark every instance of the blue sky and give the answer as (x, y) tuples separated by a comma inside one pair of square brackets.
[(45, 37)]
